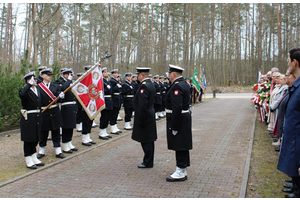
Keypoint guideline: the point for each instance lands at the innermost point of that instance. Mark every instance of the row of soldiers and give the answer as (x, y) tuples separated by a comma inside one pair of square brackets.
[(63, 117)]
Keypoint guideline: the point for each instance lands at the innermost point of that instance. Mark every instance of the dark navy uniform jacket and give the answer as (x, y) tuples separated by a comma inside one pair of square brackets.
[(116, 92), (158, 98), (127, 92), (52, 119), (289, 159), (68, 111), (109, 105), (30, 128), (177, 102), (144, 127)]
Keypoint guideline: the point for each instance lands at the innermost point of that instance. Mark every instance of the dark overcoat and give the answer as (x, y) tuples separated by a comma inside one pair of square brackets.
[(109, 105), (281, 113), (52, 119), (117, 101), (127, 89), (178, 100), (144, 127), (289, 158), (163, 91), (30, 128), (68, 111)]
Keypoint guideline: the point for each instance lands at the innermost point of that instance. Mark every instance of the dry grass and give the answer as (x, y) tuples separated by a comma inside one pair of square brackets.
[(265, 181), (229, 89)]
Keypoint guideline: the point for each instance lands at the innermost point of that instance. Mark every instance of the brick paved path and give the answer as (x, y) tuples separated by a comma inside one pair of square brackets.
[(221, 132)]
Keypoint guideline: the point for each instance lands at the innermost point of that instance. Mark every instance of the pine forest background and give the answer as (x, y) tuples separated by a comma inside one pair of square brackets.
[(230, 42)]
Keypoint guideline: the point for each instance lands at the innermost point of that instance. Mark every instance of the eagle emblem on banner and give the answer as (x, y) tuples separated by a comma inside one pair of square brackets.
[(89, 92)]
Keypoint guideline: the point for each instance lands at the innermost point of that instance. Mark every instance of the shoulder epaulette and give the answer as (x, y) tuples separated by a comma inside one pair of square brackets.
[(144, 82), (176, 82)]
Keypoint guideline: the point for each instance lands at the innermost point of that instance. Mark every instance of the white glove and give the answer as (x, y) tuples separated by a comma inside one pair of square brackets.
[(119, 86), (174, 132), (62, 95), (108, 86), (131, 87), (70, 77), (31, 82)]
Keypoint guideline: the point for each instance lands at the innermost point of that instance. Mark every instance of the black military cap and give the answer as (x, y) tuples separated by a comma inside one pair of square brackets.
[(161, 77), (104, 68), (48, 71), (114, 71), (29, 75), (128, 74), (87, 67), (79, 74), (134, 75), (62, 69), (142, 69), (173, 68), (156, 76), (42, 67)]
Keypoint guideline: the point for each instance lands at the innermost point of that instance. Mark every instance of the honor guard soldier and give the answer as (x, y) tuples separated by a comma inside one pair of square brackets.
[(135, 86), (109, 106), (127, 92), (119, 78), (68, 111), (31, 120), (163, 97), (150, 77), (86, 124), (167, 84), (51, 118), (179, 124), (158, 99), (40, 79), (79, 111), (116, 97), (144, 126)]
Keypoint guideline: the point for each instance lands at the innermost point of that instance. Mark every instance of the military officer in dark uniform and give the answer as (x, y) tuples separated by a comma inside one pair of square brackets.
[(127, 92), (39, 78), (163, 97), (105, 113), (31, 120), (116, 97), (51, 118), (135, 86), (79, 111), (68, 111), (158, 99), (119, 78), (179, 124), (144, 126), (86, 123)]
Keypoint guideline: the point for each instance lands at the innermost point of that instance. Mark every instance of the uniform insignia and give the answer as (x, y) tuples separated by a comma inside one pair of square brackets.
[(176, 92), (142, 91), (144, 83), (176, 82)]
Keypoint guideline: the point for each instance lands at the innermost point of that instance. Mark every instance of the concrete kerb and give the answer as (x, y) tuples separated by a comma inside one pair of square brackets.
[(65, 159), (247, 164)]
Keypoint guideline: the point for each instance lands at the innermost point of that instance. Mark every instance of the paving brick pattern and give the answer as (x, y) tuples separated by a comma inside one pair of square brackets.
[(221, 133)]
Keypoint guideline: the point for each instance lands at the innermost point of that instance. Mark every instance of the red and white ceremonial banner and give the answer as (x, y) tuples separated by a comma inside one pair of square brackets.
[(89, 92)]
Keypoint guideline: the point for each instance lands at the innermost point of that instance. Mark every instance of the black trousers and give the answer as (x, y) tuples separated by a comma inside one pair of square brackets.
[(55, 136), (79, 114), (86, 123), (296, 184), (162, 107), (182, 159), (104, 118), (128, 114), (148, 149), (29, 148), (114, 116), (157, 107), (67, 134)]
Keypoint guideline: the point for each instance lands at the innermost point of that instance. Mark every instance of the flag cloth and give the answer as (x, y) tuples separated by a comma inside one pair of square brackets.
[(259, 76), (204, 80), (89, 92), (195, 80)]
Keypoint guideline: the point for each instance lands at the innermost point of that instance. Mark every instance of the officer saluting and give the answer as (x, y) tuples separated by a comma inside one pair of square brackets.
[(30, 120), (179, 124), (144, 127)]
